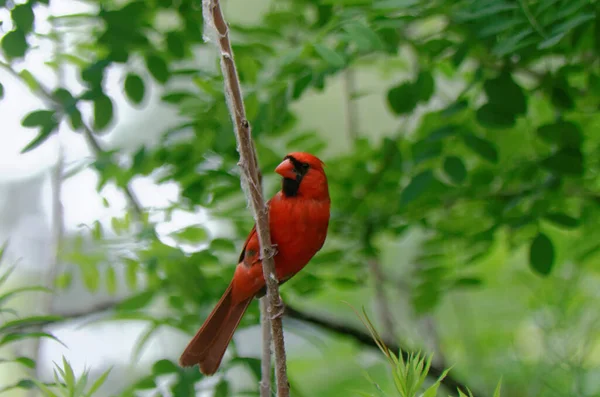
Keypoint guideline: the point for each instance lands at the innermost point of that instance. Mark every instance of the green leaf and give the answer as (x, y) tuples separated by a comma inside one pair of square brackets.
[(498, 389), (103, 112), (111, 280), (402, 98), (455, 169), (176, 44), (158, 68), (134, 88), (222, 389), (98, 383), (565, 161), (329, 55), (131, 268), (482, 147), (38, 118), (18, 291), (563, 133), (26, 361), (14, 44), (23, 17), (17, 336), (45, 132), (28, 322), (136, 302), (90, 276), (562, 219), (492, 117), (504, 93), (363, 36), (191, 234), (424, 87), (1, 91), (164, 366), (416, 187), (63, 280), (541, 255)]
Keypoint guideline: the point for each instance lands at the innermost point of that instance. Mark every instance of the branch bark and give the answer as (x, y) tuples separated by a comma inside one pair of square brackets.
[(361, 337), (214, 22)]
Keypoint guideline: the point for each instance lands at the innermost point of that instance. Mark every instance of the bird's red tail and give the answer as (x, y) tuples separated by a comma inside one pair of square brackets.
[(210, 343)]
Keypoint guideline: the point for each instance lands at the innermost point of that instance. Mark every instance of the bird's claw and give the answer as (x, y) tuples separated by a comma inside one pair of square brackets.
[(279, 310)]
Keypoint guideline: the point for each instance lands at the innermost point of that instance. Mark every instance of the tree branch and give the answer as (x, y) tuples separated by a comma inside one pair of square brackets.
[(337, 328), (365, 339), (214, 22)]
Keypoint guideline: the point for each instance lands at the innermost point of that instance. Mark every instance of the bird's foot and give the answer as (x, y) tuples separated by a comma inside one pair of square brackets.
[(279, 309)]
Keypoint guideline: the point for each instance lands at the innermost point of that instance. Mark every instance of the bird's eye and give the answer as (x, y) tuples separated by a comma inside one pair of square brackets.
[(304, 166)]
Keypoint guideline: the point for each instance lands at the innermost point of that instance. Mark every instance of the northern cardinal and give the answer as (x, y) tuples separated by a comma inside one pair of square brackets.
[(298, 220)]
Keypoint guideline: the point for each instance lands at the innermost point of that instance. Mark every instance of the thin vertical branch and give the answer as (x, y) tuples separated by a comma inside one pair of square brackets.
[(383, 309), (351, 110), (265, 367), (57, 207), (214, 23)]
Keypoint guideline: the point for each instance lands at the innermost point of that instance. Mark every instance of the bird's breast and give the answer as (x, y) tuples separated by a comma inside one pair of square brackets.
[(299, 228)]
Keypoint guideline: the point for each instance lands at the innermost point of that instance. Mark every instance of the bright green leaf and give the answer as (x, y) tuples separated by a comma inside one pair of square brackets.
[(192, 234), (111, 280), (137, 301)]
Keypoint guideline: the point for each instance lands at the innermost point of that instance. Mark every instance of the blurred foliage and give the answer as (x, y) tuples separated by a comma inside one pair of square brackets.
[(492, 167)]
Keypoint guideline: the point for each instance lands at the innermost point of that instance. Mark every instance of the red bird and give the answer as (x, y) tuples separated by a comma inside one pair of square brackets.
[(298, 220)]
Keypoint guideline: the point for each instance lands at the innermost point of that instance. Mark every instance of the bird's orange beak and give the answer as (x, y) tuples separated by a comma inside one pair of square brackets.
[(286, 169)]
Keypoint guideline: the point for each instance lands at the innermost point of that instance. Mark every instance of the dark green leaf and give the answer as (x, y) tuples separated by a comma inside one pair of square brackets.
[(45, 132), (14, 44), (455, 169), (563, 133), (468, 282), (17, 336), (1, 91), (482, 147), (425, 150), (506, 98), (565, 161), (329, 55), (424, 86), (23, 17), (158, 68), (402, 98), (164, 366), (541, 255), (176, 44), (26, 361), (562, 219), (222, 389), (494, 117), (146, 383), (134, 88), (136, 302), (103, 112), (417, 186), (38, 118)]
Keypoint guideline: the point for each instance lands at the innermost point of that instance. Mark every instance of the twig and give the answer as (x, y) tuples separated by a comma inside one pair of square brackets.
[(365, 339), (351, 109), (357, 335), (214, 22), (385, 314), (265, 380)]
